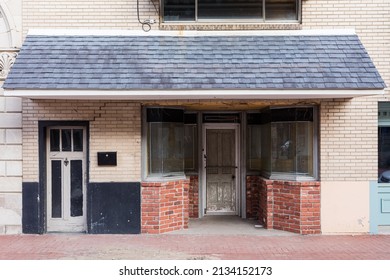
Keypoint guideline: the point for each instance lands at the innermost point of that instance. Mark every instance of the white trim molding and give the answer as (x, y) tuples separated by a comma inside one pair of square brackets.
[(189, 33), (188, 94)]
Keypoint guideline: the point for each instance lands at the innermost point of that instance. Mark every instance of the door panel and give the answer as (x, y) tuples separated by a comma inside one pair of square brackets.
[(220, 171), (66, 179), (384, 209)]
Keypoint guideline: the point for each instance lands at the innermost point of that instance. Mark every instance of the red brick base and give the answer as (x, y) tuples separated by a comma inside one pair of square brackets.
[(290, 206), (164, 206), (252, 196), (194, 197)]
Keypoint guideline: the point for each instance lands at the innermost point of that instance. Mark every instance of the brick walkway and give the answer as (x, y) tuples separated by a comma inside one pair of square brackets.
[(180, 246)]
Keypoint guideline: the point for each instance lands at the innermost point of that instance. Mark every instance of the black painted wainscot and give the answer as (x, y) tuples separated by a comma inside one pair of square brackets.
[(114, 208), (32, 212)]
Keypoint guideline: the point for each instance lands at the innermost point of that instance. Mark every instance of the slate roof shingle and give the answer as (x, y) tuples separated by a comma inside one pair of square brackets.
[(197, 62)]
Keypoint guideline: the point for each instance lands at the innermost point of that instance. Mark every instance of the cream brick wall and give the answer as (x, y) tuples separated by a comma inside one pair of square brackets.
[(114, 126), (348, 142), (349, 127), (121, 14)]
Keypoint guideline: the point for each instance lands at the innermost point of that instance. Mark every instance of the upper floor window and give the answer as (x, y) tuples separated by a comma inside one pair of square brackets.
[(231, 10)]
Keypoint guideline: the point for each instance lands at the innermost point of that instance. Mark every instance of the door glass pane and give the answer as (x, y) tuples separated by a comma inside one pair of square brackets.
[(76, 188), (230, 9), (77, 140), (66, 140), (179, 10), (54, 140), (56, 189), (281, 9)]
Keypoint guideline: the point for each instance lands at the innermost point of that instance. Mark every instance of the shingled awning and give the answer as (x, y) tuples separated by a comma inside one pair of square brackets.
[(199, 66)]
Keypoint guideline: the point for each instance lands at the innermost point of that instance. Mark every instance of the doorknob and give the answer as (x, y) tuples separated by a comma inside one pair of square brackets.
[(66, 161)]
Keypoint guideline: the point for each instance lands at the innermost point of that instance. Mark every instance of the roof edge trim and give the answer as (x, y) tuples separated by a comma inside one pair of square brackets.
[(189, 33), (189, 94)]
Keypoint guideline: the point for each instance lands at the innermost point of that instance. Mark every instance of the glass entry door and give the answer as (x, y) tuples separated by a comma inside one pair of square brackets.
[(66, 198)]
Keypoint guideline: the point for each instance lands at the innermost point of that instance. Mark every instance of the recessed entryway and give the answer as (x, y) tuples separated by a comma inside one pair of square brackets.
[(220, 169), (229, 225)]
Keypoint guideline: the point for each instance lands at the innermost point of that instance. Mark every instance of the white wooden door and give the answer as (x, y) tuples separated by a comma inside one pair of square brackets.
[(221, 171), (66, 171)]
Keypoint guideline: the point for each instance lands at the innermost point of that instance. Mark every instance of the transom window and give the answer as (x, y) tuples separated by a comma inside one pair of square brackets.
[(239, 10)]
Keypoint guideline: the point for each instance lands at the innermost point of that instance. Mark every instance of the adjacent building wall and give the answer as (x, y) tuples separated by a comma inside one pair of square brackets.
[(349, 127), (10, 123)]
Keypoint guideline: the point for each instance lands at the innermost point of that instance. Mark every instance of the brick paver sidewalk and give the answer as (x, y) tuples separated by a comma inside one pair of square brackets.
[(82, 246)]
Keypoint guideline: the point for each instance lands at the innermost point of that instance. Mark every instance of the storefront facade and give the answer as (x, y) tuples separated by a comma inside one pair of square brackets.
[(126, 132)]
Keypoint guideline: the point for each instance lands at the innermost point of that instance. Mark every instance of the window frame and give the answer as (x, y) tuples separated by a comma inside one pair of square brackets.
[(383, 121), (145, 160), (232, 20), (266, 165), (273, 175), (194, 124)]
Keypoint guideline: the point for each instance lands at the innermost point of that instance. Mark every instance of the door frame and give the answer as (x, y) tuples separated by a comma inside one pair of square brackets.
[(57, 225), (42, 184), (203, 183)]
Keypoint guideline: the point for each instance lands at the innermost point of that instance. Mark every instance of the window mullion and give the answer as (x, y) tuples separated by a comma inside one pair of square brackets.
[(263, 10), (196, 10)]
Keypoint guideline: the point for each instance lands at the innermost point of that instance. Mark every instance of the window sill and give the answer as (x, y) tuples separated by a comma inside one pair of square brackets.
[(291, 177), (228, 25), (162, 178)]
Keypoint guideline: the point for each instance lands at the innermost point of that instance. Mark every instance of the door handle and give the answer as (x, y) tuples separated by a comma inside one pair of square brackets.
[(66, 162), (233, 177)]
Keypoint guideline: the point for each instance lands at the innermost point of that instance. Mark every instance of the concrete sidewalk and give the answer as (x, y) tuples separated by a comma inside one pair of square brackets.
[(184, 246)]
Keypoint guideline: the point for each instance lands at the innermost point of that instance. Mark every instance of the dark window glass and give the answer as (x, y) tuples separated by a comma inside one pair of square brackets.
[(254, 147), (230, 9), (281, 10), (191, 147), (166, 148), (165, 141), (179, 10), (78, 140), (56, 189), (193, 10), (384, 154), (76, 188), (54, 140), (66, 137)]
